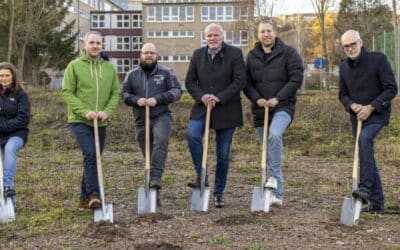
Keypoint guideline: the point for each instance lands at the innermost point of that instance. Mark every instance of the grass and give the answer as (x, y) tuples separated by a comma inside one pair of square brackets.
[(50, 166)]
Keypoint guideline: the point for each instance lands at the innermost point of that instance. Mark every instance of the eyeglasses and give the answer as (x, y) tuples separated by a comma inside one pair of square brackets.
[(148, 53), (350, 45)]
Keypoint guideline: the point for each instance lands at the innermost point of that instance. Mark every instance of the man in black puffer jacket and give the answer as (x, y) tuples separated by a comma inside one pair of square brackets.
[(274, 74)]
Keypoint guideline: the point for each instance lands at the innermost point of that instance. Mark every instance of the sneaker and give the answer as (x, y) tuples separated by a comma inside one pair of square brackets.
[(276, 201), (271, 183), (155, 184), (196, 183), (84, 203), (359, 194), (94, 200), (9, 192), (219, 201), (372, 209)]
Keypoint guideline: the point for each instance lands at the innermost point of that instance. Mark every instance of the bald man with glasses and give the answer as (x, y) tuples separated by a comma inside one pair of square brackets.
[(366, 87)]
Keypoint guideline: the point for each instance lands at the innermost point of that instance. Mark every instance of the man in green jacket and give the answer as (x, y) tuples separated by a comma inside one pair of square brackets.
[(91, 90)]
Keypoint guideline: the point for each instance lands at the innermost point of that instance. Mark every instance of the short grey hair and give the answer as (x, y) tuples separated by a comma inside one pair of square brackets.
[(92, 32), (352, 32), (214, 25)]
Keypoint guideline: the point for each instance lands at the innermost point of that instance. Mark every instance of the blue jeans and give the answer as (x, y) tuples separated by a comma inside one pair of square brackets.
[(224, 137), (160, 131), (9, 156), (84, 136), (277, 127), (370, 181)]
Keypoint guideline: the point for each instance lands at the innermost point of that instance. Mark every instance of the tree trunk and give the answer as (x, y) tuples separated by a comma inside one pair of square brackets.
[(395, 40), (11, 31)]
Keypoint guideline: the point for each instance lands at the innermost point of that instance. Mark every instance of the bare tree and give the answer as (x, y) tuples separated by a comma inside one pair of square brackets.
[(11, 30), (321, 7)]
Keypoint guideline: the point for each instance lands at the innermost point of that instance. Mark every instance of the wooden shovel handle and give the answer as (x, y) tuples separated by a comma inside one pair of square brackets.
[(205, 143), (98, 154), (147, 139), (356, 153), (264, 140)]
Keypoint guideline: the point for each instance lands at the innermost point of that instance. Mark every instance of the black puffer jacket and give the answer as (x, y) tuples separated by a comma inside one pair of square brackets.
[(15, 112), (279, 75)]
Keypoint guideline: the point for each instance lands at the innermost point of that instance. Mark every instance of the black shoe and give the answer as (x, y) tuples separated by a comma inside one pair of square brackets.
[(9, 192), (373, 209), (155, 184), (219, 201), (196, 183), (363, 196)]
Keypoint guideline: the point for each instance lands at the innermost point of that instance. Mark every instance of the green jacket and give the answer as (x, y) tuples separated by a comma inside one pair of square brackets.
[(79, 89)]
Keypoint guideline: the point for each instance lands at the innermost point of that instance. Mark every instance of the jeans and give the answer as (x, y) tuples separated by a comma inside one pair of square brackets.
[(84, 136), (370, 181), (9, 157), (224, 137), (277, 127), (160, 131)]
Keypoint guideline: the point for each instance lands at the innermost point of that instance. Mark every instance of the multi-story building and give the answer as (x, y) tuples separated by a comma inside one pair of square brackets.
[(176, 27), (79, 10), (122, 37)]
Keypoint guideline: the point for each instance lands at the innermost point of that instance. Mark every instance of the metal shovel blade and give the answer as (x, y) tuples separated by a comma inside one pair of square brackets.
[(200, 200), (261, 200), (104, 214), (350, 213), (7, 213), (147, 202)]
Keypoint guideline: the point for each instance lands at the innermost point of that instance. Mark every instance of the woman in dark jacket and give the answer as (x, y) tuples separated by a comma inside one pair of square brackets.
[(15, 110)]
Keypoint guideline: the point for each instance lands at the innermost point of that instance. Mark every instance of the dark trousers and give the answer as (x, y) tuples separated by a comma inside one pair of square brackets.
[(160, 131), (370, 181), (84, 136)]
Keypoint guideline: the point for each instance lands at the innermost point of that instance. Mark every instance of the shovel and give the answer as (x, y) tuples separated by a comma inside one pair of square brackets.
[(201, 197), (351, 207), (147, 198), (105, 212), (7, 212), (261, 198)]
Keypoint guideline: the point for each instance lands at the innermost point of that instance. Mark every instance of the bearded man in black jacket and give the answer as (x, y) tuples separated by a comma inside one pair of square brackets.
[(274, 74)]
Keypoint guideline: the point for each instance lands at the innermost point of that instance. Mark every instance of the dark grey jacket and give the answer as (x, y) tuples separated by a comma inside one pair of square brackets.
[(224, 77), (279, 75), (160, 84)]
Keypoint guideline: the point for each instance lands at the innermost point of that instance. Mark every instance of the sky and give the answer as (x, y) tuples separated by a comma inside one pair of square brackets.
[(293, 6)]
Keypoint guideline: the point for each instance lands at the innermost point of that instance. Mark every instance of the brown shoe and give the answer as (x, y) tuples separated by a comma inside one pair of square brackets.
[(94, 200), (84, 203)]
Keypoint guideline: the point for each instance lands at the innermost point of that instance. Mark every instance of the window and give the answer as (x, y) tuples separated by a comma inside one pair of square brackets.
[(170, 14), (123, 43), (223, 13), (135, 62), (170, 34), (175, 58), (98, 21), (123, 65), (137, 21), (123, 21), (136, 43)]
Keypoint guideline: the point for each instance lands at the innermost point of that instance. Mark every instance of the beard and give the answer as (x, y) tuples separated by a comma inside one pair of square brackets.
[(148, 66)]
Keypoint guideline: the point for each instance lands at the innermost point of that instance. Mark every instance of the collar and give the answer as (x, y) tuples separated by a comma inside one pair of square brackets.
[(211, 54)]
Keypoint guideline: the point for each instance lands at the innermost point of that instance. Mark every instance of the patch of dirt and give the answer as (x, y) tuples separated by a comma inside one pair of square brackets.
[(238, 219), (157, 246)]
